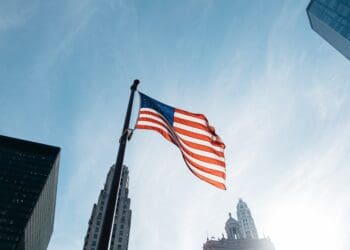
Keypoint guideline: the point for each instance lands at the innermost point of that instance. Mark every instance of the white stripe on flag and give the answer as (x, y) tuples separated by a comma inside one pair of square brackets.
[(192, 129), (201, 142), (209, 176), (202, 152), (190, 118)]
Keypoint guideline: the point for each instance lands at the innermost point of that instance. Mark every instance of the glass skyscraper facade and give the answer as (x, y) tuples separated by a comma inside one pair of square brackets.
[(331, 20), (28, 184)]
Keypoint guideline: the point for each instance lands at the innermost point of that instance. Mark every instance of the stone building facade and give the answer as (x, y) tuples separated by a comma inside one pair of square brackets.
[(241, 233), (122, 219)]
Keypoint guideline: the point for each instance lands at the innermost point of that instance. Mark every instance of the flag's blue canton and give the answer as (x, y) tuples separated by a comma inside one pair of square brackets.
[(166, 110)]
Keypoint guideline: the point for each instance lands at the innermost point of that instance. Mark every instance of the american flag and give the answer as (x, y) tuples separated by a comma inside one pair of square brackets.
[(201, 148)]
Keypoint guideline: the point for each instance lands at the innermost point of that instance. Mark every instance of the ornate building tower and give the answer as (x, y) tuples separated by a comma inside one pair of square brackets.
[(241, 233), (122, 219), (246, 221), (232, 228)]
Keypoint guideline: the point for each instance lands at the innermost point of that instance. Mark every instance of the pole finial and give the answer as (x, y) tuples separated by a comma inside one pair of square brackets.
[(134, 85)]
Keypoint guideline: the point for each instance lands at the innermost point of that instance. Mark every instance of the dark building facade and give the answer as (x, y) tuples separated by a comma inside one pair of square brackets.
[(28, 186), (241, 233), (122, 217), (331, 20)]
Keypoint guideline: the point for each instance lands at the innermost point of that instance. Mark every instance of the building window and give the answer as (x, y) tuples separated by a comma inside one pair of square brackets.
[(248, 234)]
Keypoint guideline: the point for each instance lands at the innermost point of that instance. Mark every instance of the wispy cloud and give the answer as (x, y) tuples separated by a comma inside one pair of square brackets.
[(76, 16), (16, 13)]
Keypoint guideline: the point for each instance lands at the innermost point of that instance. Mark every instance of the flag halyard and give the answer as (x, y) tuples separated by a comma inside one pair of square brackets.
[(201, 148)]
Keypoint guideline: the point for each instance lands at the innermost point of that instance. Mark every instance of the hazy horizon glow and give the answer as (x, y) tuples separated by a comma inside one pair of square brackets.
[(277, 94)]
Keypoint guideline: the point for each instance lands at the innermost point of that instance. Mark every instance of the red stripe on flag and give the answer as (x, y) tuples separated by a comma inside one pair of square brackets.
[(148, 119), (204, 158), (210, 181), (145, 112), (191, 124), (162, 132), (200, 116), (202, 147), (192, 134), (205, 169)]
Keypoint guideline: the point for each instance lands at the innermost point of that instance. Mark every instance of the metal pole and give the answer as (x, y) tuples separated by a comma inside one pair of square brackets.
[(113, 196)]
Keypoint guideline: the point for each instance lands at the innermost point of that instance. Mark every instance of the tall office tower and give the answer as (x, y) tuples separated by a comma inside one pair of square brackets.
[(241, 233), (122, 217), (331, 20), (28, 185), (246, 221)]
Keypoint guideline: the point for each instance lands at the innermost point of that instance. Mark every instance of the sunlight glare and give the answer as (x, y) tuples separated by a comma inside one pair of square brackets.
[(304, 227)]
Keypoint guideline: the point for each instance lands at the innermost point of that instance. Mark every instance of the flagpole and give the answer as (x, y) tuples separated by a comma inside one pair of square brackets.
[(108, 219)]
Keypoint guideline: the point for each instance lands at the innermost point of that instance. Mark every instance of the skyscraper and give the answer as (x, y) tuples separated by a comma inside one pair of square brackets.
[(122, 217), (241, 233), (331, 20), (28, 185)]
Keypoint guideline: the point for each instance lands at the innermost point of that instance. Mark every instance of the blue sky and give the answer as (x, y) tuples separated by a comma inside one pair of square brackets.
[(276, 92)]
